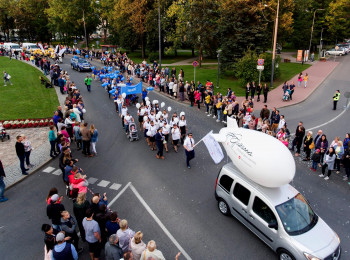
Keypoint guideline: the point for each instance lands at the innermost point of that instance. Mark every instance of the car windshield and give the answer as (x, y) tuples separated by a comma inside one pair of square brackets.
[(82, 61), (15, 46), (296, 215), (33, 46)]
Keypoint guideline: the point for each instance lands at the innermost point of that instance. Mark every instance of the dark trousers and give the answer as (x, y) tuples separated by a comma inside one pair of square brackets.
[(86, 147), (81, 229), (347, 172), (78, 142), (291, 94), (335, 104), (88, 87), (324, 169), (337, 164), (265, 97), (160, 148), (62, 89), (189, 156), (258, 97), (21, 163), (246, 95), (307, 152), (27, 155)]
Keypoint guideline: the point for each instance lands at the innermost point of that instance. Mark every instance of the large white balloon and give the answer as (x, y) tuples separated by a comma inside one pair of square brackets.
[(155, 102), (145, 118), (148, 133), (162, 104), (148, 102), (124, 95), (182, 113), (159, 113), (261, 157), (157, 116), (169, 109), (146, 98), (138, 105)]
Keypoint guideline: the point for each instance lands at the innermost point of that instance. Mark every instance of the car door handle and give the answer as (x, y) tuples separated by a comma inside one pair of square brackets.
[(244, 210), (251, 216)]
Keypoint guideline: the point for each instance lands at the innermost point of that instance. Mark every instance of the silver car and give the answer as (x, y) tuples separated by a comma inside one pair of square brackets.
[(281, 217), (339, 52)]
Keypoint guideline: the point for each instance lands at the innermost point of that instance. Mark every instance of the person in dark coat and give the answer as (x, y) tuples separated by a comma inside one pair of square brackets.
[(298, 140), (2, 183), (159, 142), (265, 92), (53, 211), (258, 92), (79, 209), (21, 154)]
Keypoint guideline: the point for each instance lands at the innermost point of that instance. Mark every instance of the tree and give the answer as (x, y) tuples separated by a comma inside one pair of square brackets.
[(6, 20), (338, 19), (240, 27)]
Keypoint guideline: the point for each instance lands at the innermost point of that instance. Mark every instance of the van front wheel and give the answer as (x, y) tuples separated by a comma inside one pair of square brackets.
[(223, 207), (285, 255)]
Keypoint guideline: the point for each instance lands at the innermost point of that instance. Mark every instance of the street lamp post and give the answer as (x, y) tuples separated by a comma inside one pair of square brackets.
[(274, 43), (312, 27), (86, 40), (218, 52), (160, 39)]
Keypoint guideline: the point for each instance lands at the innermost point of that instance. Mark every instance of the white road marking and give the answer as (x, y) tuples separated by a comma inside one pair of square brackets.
[(92, 180), (48, 169), (115, 186), (118, 195), (103, 183), (166, 231), (57, 172)]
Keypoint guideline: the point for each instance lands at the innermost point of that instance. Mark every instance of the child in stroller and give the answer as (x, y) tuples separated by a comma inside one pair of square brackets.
[(133, 132), (286, 95), (3, 133)]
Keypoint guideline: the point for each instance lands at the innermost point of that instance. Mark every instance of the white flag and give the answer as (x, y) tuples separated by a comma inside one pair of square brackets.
[(61, 51), (41, 47), (57, 49), (213, 147)]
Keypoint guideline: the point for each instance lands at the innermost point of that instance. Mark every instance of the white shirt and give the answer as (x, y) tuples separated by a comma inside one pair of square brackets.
[(189, 143), (146, 125), (152, 117), (281, 123), (120, 101), (152, 130), (142, 112), (165, 116), (182, 123), (171, 84), (175, 134), (124, 111), (166, 129)]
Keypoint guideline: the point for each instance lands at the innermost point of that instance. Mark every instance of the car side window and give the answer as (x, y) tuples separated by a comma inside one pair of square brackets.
[(226, 182), (262, 210), (241, 193)]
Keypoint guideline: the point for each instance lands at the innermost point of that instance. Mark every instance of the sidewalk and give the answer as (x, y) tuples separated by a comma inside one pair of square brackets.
[(41, 147)]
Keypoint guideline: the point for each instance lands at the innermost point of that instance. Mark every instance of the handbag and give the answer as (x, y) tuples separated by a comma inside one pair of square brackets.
[(312, 145)]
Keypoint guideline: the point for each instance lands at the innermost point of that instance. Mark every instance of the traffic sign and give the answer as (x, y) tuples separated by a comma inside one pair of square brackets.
[(259, 67), (195, 63), (260, 62)]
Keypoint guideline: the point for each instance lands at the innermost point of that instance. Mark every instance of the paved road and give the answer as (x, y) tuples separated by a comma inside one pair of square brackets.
[(181, 199)]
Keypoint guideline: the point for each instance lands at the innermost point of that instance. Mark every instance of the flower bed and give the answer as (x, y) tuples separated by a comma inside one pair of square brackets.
[(27, 123)]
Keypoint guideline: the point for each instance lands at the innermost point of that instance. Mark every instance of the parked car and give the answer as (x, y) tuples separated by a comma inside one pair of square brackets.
[(345, 46), (339, 52), (29, 47), (9, 46), (80, 64), (281, 217)]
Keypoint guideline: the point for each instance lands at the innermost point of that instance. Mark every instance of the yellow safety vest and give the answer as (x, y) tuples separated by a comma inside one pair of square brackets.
[(336, 96)]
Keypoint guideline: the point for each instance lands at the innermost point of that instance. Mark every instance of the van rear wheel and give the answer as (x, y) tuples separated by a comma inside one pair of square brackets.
[(285, 255), (223, 207)]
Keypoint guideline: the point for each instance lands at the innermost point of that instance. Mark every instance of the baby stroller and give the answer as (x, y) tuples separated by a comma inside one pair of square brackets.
[(133, 132), (3, 134), (286, 95)]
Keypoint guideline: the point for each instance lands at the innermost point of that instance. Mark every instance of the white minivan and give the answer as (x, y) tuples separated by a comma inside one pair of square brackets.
[(29, 47), (9, 46), (281, 217)]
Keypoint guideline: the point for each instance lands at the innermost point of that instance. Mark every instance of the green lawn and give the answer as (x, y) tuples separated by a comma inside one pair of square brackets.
[(226, 80), (26, 98)]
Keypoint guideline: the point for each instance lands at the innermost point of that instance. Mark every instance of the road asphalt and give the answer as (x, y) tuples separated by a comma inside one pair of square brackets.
[(169, 203)]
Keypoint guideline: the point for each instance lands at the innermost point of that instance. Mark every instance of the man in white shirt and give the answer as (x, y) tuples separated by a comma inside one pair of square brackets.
[(281, 123), (189, 149)]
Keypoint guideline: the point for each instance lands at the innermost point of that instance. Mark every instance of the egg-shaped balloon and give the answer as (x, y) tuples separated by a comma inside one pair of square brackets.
[(261, 157), (182, 113), (145, 118), (148, 102), (162, 104), (138, 105), (124, 95), (169, 109), (146, 98)]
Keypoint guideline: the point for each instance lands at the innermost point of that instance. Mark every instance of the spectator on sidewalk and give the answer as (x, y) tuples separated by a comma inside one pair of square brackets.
[(49, 239), (316, 158), (298, 139), (322, 144), (137, 245), (291, 88), (92, 234), (2, 183), (79, 209), (53, 211), (86, 137), (308, 141), (21, 154), (27, 150), (151, 252), (306, 77), (328, 163), (68, 225), (112, 225), (112, 248), (63, 250), (125, 234), (265, 92)]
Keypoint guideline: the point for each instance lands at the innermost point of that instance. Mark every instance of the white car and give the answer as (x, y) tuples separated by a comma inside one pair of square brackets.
[(334, 52)]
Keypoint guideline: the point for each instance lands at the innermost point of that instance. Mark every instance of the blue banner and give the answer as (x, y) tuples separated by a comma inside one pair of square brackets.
[(134, 89)]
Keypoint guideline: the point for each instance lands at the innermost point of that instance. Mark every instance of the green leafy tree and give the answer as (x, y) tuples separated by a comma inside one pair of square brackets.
[(338, 19)]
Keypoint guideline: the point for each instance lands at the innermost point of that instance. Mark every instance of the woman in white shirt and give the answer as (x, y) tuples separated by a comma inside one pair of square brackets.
[(171, 85), (146, 125), (151, 133), (175, 89), (165, 115), (175, 136), (141, 113), (182, 125), (166, 131)]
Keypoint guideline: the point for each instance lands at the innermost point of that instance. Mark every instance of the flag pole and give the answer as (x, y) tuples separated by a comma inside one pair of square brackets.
[(202, 139)]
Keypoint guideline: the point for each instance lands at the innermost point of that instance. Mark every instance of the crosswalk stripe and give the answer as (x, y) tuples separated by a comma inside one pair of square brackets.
[(57, 172), (115, 186), (92, 180), (103, 183), (48, 169)]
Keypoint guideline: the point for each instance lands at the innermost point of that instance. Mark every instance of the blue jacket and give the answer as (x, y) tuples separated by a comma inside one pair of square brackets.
[(94, 136)]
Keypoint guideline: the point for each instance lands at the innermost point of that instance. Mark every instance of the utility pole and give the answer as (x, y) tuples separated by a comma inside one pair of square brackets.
[(86, 40), (274, 43), (312, 27)]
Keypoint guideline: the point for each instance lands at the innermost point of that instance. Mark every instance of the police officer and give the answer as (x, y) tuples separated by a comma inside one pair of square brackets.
[(336, 99)]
